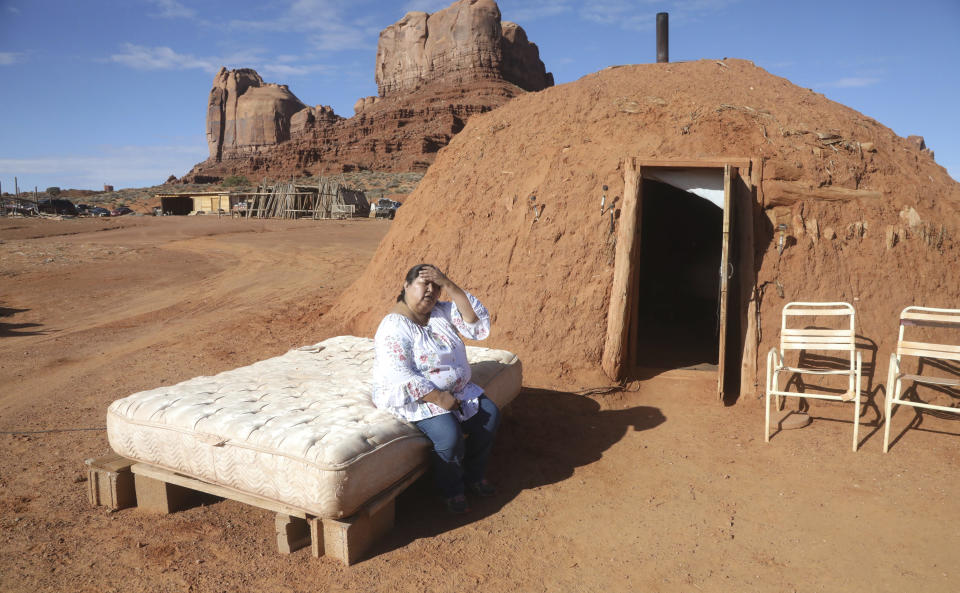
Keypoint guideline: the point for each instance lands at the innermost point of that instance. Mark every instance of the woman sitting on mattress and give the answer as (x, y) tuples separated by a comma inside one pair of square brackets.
[(421, 374)]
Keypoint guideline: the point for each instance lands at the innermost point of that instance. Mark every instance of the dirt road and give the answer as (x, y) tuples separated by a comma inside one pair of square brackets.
[(658, 489)]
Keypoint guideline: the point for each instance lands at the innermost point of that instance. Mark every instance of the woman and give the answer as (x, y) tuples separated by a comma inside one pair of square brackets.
[(421, 374)]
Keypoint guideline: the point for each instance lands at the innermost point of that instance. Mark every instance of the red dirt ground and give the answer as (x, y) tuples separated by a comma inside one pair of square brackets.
[(657, 489)]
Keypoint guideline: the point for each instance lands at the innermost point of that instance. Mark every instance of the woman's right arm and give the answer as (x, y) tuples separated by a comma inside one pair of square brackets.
[(444, 399)]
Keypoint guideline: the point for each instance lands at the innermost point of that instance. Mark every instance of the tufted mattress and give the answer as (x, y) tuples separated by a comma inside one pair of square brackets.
[(299, 429)]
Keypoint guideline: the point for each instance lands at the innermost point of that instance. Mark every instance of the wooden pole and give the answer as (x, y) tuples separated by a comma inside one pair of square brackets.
[(618, 315), (729, 173), (749, 383), (16, 188), (788, 193)]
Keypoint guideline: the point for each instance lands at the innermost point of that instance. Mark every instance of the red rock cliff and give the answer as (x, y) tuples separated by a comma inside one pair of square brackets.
[(244, 113), (464, 41), (433, 72)]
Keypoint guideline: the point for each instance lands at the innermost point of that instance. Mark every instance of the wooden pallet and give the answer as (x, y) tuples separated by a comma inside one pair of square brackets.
[(158, 490)]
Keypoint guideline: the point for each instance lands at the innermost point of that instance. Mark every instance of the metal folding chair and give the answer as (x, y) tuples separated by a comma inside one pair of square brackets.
[(813, 339), (930, 356)]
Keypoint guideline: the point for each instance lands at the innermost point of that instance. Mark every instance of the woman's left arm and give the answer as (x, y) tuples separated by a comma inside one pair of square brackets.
[(432, 274), (473, 314)]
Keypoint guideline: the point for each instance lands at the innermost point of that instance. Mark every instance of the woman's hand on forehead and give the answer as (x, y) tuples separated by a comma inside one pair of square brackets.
[(433, 275)]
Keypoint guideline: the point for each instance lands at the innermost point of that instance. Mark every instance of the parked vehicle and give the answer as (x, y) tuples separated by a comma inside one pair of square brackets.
[(12, 207), (98, 211), (386, 208), (83, 209), (57, 206), (121, 211)]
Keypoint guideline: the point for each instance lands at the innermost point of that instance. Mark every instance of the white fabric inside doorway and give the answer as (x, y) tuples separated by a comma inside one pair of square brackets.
[(706, 183)]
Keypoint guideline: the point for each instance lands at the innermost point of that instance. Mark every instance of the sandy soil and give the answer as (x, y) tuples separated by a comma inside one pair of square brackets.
[(658, 488)]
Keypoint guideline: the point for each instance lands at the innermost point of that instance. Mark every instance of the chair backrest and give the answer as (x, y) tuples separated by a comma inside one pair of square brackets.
[(803, 338), (928, 317)]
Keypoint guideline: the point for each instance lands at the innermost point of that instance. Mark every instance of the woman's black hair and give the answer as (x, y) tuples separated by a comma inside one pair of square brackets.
[(412, 274)]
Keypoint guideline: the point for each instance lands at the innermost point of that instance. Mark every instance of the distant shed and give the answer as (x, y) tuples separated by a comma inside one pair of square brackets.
[(330, 198), (185, 203), (338, 200)]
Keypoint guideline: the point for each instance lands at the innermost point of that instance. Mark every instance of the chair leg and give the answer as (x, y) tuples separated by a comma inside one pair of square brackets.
[(778, 400), (856, 406), (892, 391)]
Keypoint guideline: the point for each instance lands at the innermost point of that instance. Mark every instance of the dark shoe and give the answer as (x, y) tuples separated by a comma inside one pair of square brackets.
[(457, 505), (483, 489)]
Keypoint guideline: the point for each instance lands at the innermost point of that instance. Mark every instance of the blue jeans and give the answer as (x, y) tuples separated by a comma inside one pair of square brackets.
[(458, 460)]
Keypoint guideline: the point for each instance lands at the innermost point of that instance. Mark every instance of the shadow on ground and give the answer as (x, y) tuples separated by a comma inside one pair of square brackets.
[(543, 438), (16, 329)]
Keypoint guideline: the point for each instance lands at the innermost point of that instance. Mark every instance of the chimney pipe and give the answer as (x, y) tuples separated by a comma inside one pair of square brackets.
[(663, 37)]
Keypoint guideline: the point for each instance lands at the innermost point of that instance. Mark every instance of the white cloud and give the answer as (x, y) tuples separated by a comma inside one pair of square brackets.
[(288, 70), (8, 58), (13, 10), (250, 57), (323, 20), (850, 82), (165, 58), (160, 58), (171, 9), (121, 166), (337, 38), (301, 15)]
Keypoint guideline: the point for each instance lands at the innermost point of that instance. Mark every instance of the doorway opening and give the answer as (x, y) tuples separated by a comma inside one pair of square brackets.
[(678, 289), (176, 205), (686, 207)]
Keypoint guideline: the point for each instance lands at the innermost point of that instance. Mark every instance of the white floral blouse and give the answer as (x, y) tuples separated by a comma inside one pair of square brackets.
[(412, 360)]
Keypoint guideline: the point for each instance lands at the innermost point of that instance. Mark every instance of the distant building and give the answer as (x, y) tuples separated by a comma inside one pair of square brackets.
[(328, 199), (196, 203), (107, 187)]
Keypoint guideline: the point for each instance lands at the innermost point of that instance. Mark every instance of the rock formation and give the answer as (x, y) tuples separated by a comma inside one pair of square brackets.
[(521, 60), (433, 72), (921, 144), (465, 41), (244, 113)]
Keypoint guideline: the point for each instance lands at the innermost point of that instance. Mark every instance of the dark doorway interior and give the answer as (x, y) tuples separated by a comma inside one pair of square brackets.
[(677, 306), (179, 206)]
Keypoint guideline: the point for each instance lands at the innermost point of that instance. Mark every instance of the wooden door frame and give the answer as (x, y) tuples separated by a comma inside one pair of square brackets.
[(619, 343), (724, 309)]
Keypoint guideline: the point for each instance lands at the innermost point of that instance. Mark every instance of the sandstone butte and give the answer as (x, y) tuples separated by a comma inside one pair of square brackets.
[(433, 71)]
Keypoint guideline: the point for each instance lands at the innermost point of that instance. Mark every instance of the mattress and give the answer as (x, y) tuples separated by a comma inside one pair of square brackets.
[(300, 428)]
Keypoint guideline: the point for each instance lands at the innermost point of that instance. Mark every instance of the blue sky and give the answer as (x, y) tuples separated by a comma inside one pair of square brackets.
[(115, 91)]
